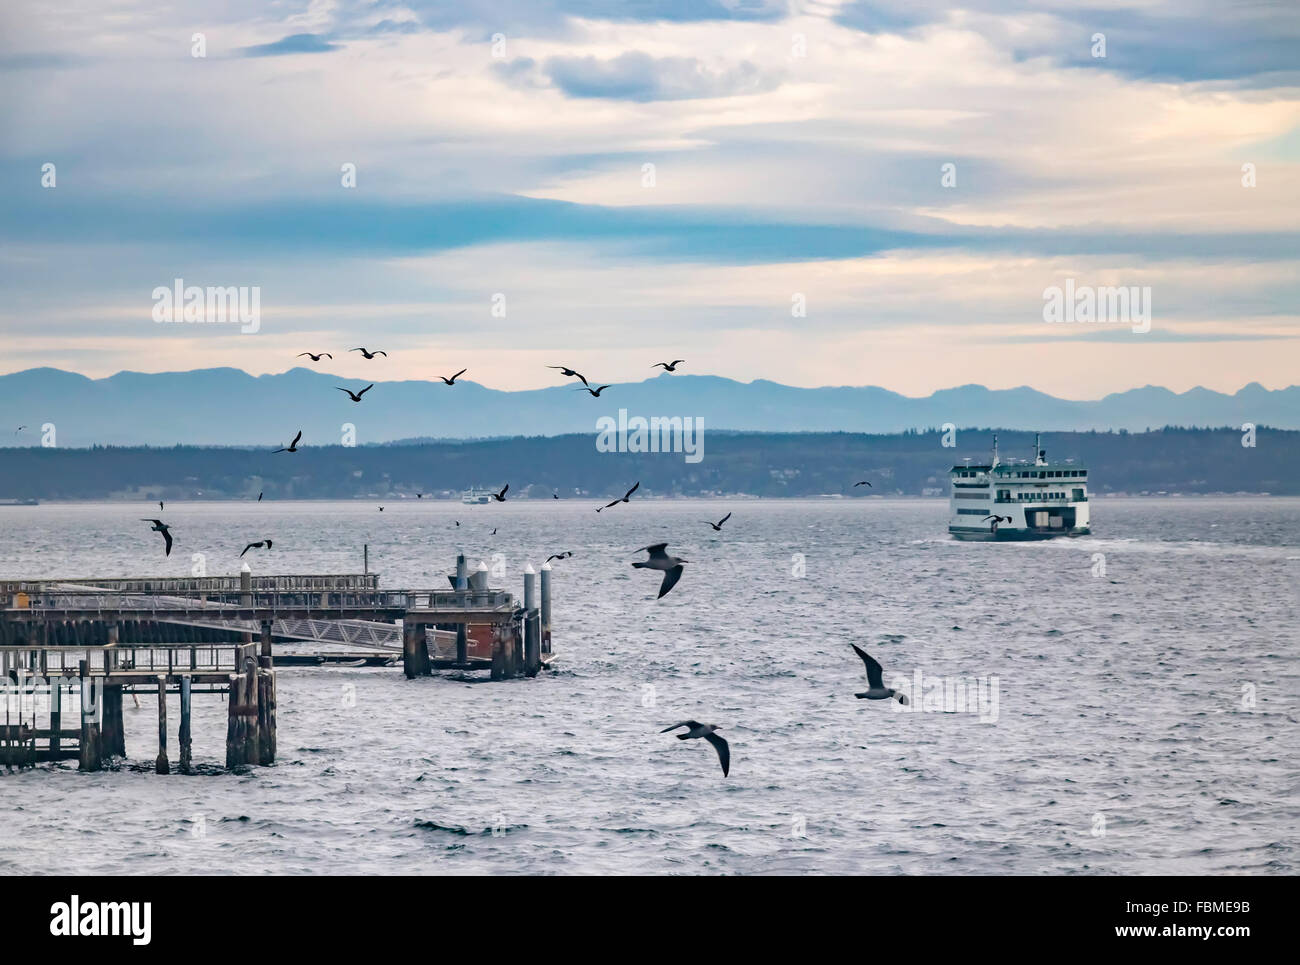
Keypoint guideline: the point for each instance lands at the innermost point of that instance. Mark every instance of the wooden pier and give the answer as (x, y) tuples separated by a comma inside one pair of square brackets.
[(71, 648)]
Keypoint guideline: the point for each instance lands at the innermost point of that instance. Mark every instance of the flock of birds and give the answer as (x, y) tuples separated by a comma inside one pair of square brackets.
[(658, 557)]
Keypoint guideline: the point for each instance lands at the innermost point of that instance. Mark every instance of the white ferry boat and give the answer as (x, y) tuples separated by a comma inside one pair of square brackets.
[(476, 497), (1029, 500)]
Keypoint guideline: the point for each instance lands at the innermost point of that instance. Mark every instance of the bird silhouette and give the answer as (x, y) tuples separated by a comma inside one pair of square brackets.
[(356, 396), (452, 380), (565, 370), (259, 497), (499, 497), (876, 689), (863, 483), (717, 527), (626, 495), (260, 544), (669, 366), (555, 495), (994, 520), (660, 560), (160, 527), (293, 446), (160, 504), (316, 358), (594, 392), (559, 556), (708, 732), (369, 355), (19, 429)]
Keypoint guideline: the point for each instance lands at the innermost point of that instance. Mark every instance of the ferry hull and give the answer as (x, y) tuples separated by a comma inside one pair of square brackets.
[(1011, 535)]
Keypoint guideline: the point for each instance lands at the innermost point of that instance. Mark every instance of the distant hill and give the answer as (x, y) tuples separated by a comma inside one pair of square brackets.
[(229, 407), (759, 464)]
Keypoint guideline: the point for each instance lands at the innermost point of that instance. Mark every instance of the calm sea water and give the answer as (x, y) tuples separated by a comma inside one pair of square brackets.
[(1146, 718)]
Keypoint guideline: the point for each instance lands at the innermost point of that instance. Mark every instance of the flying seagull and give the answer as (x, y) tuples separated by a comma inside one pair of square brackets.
[(259, 497), (160, 504), (863, 483), (707, 731), (356, 396), (19, 429), (419, 495), (260, 544), (494, 530), (717, 527), (559, 556), (624, 499), (660, 560), (501, 496), (595, 392), (293, 446), (369, 355), (160, 527), (565, 370), (555, 495), (381, 509), (316, 358), (452, 380), (994, 520), (876, 689), (669, 366)]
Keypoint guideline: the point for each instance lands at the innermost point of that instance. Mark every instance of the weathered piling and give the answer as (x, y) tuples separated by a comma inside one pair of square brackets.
[(113, 732), (546, 607), (160, 765), (501, 643), (91, 758), (462, 631), (266, 713), (234, 739), (56, 717), (252, 718), (532, 661), (415, 651), (183, 735)]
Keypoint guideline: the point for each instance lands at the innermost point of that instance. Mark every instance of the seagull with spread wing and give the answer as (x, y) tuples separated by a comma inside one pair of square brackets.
[(876, 689), (625, 498), (160, 527), (709, 733), (660, 560)]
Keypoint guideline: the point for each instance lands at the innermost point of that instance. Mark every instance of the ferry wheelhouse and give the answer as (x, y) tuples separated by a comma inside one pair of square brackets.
[(476, 497), (1031, 500)]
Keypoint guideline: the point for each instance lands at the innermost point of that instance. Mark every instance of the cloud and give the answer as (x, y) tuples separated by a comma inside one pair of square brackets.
[(637, 76), (292, 44)]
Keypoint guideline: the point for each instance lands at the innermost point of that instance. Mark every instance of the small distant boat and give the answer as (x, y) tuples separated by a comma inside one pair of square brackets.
[(20, 502), (477, 497)]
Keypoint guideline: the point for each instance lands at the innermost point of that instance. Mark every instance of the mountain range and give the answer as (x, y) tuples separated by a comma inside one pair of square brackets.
[(229, 407)]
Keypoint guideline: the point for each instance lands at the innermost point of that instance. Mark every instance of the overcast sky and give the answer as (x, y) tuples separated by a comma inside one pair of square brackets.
[(798, 149)]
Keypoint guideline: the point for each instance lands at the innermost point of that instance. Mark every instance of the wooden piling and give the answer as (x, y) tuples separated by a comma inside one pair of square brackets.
[(266, 638), (462, 631), (183, 736), (265, 713), (91, 756), (251, 712), (56, 717), (234, 742), (415, 650), (113, 733), (500, 642), (160, 765)]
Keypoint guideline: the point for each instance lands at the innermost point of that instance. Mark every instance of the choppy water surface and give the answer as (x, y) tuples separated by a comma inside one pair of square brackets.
[(1122, 741)]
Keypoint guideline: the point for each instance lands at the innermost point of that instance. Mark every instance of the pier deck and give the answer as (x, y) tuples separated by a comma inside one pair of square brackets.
[(91, 640)]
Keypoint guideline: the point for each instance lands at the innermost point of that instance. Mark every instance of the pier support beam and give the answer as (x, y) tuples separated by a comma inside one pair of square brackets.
[(234, 738), (546, 608), (56, 717), (532, 655), (160, 765), (92, 757), (266, 713), (251, 712), (501, 645), (183, 737), (415, 650)]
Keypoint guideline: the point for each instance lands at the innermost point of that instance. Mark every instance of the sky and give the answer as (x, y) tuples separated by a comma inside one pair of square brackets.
[(814, 192)]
